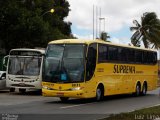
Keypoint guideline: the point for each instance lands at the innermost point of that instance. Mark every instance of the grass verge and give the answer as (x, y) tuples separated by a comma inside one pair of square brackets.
[(151, 113)]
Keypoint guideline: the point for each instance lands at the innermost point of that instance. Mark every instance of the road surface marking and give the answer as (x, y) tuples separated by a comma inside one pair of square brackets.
[(70, 106)]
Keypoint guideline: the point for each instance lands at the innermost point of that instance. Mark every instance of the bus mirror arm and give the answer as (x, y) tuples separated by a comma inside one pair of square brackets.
[(4, 60), (44, 55)]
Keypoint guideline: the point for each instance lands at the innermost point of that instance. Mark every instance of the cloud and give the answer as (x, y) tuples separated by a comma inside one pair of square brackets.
[(122, 40), (85, 37), (115, 40), (118, 13)]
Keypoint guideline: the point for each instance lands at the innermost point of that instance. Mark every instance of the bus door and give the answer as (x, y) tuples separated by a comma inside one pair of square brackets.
[(90, 69)]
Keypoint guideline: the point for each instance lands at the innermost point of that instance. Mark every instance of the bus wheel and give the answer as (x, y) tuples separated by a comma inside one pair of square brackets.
[(144, 89), (12, 89), (64, 99), (22, 90), (99, 94), (138, 90)]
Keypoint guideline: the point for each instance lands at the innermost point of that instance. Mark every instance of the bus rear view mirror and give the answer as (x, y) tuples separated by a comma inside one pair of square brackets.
[(3, 78)]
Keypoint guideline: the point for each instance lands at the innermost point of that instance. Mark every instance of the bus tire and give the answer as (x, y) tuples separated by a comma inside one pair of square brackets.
[(99, 93), (138, 90), (144, 89), (12, 89), (64, 99), (22, 90)]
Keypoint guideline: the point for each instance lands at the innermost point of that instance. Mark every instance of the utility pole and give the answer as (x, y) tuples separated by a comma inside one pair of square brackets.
[(99, 22), (93, 22), (104, 23), (96, 21)]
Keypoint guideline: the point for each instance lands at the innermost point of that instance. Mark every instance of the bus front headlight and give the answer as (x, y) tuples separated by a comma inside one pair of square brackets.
[(77, 88), (46, 87)]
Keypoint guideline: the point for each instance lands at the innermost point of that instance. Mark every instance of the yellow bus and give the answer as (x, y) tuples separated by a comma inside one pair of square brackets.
[(76, 68)]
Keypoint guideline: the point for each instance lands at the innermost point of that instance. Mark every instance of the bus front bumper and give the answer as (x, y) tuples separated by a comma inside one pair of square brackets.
[(55, 93)]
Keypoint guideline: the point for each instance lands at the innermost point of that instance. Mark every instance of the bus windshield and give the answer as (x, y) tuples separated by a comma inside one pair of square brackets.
[(64, 63), (24, 65)]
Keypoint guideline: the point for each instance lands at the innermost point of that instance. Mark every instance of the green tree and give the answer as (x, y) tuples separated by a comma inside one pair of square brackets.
[(148, 31), (24, 24), (104, 36)]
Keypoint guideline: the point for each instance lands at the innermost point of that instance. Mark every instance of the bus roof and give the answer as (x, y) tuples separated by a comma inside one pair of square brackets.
[(83, 41), (28, 49)]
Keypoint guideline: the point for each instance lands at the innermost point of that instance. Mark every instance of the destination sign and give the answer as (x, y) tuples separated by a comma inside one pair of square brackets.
[(25, 53)]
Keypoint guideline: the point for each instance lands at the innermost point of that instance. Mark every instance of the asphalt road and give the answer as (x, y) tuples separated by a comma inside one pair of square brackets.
[(33, 106)]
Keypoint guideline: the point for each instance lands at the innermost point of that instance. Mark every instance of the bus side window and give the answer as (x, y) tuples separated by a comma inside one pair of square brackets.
[(138, 56), (91, 61), (102, 53), (113, 53), (154, 57)]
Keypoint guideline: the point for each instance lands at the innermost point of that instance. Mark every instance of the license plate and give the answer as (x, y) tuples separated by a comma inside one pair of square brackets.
[(22, 84), (60, 94)]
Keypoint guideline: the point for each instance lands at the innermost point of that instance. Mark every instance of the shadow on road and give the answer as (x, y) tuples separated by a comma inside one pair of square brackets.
[(106, 98), (4, 91), (28, 93)]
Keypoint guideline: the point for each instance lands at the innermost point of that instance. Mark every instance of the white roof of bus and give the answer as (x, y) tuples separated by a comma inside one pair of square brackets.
[(92, 41), (28, 49)]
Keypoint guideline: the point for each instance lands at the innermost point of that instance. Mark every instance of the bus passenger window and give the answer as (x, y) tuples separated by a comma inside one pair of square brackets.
[(102, 53), (113, 53), (154, 57), (138, 56), (91, 61)]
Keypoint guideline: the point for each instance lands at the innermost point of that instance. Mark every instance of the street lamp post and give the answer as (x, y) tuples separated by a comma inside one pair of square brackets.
[(51, 11), (100, 24)]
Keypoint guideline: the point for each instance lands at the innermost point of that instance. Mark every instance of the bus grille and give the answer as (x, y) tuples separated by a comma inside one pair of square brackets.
[(22, 85)]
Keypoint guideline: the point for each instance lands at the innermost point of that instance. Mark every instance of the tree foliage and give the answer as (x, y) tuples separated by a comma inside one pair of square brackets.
[(24, 24), (104, 36), (148, 31)]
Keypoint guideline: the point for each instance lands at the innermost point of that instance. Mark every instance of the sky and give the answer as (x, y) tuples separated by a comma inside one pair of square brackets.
[(118, 16)]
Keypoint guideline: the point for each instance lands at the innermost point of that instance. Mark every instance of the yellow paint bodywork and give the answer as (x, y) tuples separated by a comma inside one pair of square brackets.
[(120, 83), (114, 83), (65, 90)]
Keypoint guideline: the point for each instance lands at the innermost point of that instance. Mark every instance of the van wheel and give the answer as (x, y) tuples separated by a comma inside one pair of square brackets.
[(138, 90), (64, 99), (99, 94), (12, 89), (22, 90), (144, 89)]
